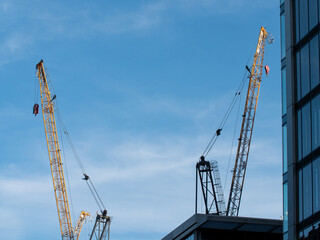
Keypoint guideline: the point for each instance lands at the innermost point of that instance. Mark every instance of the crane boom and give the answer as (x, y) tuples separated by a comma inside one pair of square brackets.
[(248, 117), (59, 185)]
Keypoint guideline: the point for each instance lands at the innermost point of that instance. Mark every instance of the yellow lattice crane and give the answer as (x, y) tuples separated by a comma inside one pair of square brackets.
[(208, 171), (59, 186), (248, 117)]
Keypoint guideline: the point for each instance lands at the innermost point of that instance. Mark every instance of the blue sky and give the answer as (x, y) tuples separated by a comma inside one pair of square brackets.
[(141, 86)]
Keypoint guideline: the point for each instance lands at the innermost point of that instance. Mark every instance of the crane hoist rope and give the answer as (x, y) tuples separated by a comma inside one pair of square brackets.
[(225, 117), (85, 175), (232, 144)]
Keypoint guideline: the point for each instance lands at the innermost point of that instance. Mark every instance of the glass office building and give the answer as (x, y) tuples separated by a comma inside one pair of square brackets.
[(300, 27)]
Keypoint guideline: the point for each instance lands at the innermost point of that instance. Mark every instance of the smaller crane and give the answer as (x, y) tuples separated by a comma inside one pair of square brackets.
[(79, 225)]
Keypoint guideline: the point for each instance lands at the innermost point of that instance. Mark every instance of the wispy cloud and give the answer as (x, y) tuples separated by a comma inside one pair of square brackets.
[(64, 21), (27, 189), (146, 17)]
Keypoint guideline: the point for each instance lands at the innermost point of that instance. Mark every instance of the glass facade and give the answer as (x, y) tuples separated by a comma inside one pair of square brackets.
[(315, 119), (282, 25), (284, 126), (306, 17), (314, 62), (306, 192), (284, 146), (316, 185), (285, 207), (284, 91), (300, 95), (308, 127)]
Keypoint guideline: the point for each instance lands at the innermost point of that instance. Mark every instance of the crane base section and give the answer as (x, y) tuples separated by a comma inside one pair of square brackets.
[(101, 229)]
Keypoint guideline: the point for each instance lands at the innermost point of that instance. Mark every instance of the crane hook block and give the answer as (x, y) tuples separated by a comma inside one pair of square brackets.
[(267, 68), (219, 131), (86, 177), (104, 213), (36, 109)]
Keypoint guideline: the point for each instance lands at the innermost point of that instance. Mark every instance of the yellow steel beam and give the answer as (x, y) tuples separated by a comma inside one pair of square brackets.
[(248, 117), (77, 229), (58, 180)]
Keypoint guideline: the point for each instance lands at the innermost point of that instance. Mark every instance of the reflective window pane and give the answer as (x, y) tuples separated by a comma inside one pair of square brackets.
[(315, 114), (313, 13), (299, 135), (285, 207), (316, 185), (284, 150), (305, 77), (305, 130), (300, 197), (298, 79), (307, 191), (284, 91), (314, 61), (297, 25), (303, 13), (282, 25)]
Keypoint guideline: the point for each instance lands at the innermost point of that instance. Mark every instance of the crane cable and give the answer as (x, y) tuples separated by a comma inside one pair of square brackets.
[(36, 90), (225, 118), (234, 136), (86, 176), (66, 169)]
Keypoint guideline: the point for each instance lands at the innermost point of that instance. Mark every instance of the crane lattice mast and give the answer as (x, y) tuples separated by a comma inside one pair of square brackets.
[(248, 117), (58, 179)]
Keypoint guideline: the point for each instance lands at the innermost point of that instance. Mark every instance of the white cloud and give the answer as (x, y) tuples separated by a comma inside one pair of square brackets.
[(60, 21), (146, 182), (26, 190)]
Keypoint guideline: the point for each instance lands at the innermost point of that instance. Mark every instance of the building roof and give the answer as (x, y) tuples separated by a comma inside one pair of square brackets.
[(226, 223)]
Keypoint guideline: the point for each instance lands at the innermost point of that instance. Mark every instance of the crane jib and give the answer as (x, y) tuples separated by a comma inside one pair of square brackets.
[(247, 127), (59, 186)]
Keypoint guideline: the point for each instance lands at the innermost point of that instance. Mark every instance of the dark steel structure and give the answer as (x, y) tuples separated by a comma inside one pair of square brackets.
[(101, 228), (213, 227), (211, 188)]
